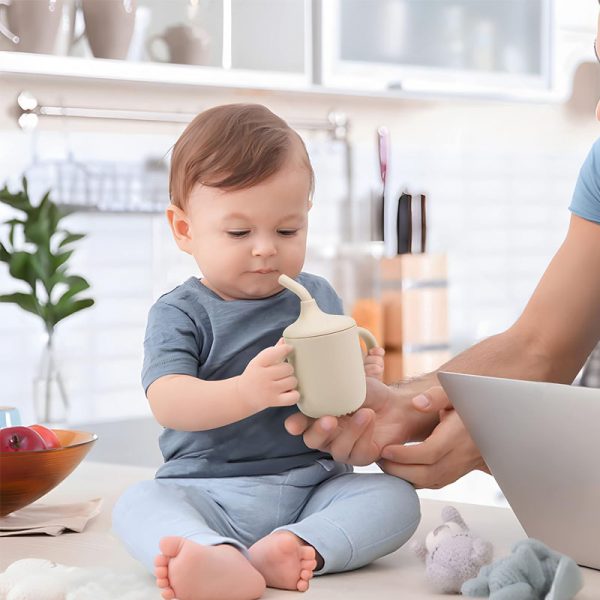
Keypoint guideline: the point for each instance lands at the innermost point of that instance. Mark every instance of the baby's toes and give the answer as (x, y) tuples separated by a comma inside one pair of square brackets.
[(302, 585), (161, 572), (307, 553), (162, 583), (306, 574), (168, 594), (309, 565), (161, 560)]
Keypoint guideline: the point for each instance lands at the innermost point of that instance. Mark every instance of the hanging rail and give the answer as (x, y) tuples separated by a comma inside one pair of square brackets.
[(29, 112)]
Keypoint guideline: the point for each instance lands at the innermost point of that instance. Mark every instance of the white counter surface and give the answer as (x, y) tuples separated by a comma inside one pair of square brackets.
[(399, 575)]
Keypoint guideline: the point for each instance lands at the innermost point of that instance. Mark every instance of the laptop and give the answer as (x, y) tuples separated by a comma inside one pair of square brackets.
[(541, 441)]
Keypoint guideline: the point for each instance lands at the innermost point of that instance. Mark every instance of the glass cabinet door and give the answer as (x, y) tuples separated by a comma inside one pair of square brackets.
[(247, 36), (416, 44)]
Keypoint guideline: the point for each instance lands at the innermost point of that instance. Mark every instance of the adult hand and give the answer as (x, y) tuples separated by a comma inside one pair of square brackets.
[(447, 454), (385, 418)]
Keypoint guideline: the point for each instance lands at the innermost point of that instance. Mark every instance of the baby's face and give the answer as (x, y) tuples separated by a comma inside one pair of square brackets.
[(244, 240)]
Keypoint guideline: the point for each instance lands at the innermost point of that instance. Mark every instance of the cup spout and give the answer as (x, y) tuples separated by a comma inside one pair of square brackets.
[(295, 287)]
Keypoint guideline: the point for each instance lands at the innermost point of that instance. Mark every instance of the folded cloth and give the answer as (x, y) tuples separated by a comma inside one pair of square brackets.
[(50, 519)]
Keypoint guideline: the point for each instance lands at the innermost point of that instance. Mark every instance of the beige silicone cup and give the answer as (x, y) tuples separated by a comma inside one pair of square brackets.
[(327, 357)]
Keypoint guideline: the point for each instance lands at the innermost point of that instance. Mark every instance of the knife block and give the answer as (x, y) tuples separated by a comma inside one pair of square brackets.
[(414, 299)]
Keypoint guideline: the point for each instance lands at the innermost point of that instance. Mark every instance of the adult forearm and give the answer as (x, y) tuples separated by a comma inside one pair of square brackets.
[(190, 404), (510, 354)]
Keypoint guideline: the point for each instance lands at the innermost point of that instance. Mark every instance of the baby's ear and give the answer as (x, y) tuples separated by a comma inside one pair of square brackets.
[(180, 227)]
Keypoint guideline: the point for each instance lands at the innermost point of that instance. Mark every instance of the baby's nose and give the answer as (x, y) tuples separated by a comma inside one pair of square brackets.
[(264, 247)]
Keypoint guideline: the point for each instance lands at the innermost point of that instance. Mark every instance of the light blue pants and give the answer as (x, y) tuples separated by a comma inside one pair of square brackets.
[(351, 519)]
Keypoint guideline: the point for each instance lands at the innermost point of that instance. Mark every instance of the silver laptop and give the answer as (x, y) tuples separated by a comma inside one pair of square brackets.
[(542, 443)]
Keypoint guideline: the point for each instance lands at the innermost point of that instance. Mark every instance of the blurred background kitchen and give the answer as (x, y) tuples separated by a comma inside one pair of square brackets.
[(478, 112)]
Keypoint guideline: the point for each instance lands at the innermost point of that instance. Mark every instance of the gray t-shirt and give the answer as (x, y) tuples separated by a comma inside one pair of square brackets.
[(192, 331)]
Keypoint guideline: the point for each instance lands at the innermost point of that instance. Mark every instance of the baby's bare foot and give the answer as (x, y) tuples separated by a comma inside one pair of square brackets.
[(285, 561), (189, 571)]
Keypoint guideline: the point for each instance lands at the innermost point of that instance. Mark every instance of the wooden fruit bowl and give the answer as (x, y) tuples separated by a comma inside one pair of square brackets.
[(27, 476)]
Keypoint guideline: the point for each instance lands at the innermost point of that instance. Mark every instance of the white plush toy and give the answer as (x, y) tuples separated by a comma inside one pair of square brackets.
[(39, 579)]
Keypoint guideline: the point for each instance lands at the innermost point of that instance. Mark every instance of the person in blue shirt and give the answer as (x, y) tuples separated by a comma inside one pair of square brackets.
[(550, 341)]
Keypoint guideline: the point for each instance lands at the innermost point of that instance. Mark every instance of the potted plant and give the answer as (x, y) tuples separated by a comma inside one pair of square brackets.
[(37, 250)]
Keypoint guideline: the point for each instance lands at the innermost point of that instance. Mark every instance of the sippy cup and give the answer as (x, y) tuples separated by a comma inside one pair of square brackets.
[(327, 357)]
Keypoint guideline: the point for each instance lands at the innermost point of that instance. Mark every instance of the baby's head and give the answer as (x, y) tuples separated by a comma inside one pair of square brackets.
[(240, 187)]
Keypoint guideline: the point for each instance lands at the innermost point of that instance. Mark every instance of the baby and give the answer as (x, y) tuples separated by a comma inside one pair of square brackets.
[(240, 504)]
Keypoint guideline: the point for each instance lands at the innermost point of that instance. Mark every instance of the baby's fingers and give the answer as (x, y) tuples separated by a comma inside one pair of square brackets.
[(273, 354), (374, 370), (288, 398), (376, 351), (287, 384)]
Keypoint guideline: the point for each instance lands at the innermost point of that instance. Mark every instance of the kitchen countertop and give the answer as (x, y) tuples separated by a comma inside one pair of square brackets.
[(400, 574)]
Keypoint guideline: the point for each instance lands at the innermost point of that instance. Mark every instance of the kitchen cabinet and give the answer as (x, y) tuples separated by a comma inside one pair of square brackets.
[(499, 49), (245, 35), (250, 43), (469, 46)]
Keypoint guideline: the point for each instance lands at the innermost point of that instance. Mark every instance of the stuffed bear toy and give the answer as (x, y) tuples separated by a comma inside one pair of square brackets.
[(39, 579), (451, 553)]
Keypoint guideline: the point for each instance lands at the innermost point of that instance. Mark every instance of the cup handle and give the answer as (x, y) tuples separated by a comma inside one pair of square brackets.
[(367, 337), (4, 30), (150, 47)]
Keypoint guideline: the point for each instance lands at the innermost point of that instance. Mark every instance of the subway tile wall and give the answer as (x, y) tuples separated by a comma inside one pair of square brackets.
[(499, 213)]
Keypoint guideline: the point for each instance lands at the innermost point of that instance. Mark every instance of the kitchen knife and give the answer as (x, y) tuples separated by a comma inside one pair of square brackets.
[(423, 222), (378, 207), (404, 223)]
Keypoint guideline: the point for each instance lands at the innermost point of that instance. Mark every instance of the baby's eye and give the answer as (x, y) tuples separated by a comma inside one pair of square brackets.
[(287, 232), (238, 233)]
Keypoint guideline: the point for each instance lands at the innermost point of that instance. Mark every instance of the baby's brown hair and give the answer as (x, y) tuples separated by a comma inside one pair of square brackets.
[(232, 147)]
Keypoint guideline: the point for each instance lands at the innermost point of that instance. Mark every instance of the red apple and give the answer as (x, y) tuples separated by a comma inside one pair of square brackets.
[(50, 438), (20, 439)]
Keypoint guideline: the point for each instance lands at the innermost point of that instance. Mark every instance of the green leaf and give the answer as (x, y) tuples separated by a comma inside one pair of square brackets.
[(53, 213), (65, 309), (76, 285), (70, 238), (27, 302), (59, 276), (4, 253), (13, 224), (20, 267), (58, 259), (20, 200), (37, 230)]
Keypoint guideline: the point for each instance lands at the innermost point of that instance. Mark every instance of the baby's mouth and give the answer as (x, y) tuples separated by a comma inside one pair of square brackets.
[(264, 271)]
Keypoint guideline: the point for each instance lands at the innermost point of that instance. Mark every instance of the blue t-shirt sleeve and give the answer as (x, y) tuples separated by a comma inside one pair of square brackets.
[(172, 344), (586, 197)]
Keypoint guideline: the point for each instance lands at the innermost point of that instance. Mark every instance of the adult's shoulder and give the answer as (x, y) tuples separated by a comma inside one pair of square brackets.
[(586, 196)]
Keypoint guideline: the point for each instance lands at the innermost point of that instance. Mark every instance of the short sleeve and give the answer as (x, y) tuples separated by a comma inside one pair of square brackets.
[(586, 197), (172, 344)]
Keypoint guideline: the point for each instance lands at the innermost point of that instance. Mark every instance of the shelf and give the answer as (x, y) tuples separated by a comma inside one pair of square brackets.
[(69, 68)]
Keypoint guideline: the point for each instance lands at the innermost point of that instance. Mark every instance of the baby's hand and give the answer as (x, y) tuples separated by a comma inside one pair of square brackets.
[(268, 381), (374, 363)]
